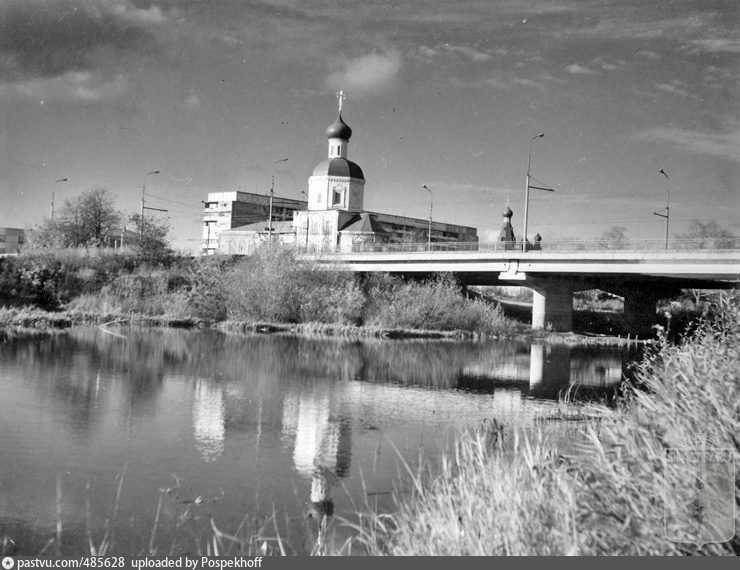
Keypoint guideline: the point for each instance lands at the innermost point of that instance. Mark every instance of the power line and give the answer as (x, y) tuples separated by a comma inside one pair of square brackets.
[(173, 201)]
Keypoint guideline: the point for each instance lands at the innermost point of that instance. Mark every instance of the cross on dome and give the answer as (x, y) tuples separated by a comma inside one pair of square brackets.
[(341, 96)]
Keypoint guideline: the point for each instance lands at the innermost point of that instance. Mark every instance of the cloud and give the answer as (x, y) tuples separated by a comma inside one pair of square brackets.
[(649, 55), (471, 53), (729, 45), (145, 16), (192, 102), (579, 70), (74, 86), (49, 39), (367, 74), (724, 145), (674, 88)]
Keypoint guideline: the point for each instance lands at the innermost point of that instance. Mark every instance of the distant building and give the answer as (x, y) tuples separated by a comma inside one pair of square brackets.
[(334, 219), (226, 210), (11, 240)]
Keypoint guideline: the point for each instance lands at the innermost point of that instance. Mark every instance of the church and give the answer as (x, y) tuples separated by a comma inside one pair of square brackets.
[(335, 219)]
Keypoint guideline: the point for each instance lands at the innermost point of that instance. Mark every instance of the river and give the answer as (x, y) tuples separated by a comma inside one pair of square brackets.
[(146, 433)]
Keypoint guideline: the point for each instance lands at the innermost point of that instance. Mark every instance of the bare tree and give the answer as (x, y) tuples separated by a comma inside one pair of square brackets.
[(89, 219), (154, 244), (615, 237)]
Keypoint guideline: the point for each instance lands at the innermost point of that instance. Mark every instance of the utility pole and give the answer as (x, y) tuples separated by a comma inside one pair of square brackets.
[(526, 190), (53, 191), (667, 214), (141, 221), (272, 193), (431, 201)]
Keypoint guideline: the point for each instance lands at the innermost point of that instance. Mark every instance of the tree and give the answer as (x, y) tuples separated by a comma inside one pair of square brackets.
[(708, 231), (153, 244), (89, 219), (615, 237)]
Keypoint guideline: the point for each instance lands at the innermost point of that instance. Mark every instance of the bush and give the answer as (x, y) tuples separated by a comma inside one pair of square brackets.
[(437, 304), (272, 285)]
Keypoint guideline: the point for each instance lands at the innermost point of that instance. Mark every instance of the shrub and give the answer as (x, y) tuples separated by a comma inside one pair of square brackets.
[(437, 304)]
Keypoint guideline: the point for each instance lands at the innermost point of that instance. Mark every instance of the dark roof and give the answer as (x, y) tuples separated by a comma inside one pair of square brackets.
[(338, 167), (339, 130), (364, 223)]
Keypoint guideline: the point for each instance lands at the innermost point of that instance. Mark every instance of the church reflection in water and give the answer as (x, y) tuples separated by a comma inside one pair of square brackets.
[(209, 428), (323, 441), (324, 389)]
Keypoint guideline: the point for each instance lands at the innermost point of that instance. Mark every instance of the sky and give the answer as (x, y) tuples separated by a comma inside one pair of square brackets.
[(443, 93)]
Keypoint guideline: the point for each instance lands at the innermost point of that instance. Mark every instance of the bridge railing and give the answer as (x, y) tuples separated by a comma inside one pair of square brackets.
[(693, 244)]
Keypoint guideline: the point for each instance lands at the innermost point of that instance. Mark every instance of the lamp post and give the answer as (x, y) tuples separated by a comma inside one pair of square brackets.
[(527, 187), (272, 193), (141, 221), (208, 225), (431, 200), (667, 214), (53, 191)]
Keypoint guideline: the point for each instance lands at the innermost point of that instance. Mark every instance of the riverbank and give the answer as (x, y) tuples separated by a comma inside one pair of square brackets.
[(618, 490), (39, 321)]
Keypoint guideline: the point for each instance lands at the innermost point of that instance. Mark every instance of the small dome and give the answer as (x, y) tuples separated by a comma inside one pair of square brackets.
[(537, 237), (339, 130), (338, 167), (508, 213)]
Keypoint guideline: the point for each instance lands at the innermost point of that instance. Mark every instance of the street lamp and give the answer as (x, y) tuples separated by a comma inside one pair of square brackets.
[(208, 225), (53, 190), (431, 199), (667, 214), (272, 193), (143, 192), (527, 187)]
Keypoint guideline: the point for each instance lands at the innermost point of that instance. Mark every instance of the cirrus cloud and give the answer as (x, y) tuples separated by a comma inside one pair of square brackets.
[(367, 74), (724, 145), (50, 39)]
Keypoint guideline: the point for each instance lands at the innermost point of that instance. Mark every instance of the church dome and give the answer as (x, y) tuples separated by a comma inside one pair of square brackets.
[(338, 167), (339, 130), (508, 213)]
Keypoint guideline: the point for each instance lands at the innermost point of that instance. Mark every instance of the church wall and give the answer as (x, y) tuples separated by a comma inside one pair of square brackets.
[(322, 226), (321, 193), (356, 195)]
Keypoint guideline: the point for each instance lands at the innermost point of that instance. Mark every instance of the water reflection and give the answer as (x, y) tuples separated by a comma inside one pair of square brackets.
[(209, 428), (322, 449), (546, 372), (263, 421)]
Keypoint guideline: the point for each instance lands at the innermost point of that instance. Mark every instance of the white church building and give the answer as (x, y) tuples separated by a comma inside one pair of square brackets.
[(335, 218)]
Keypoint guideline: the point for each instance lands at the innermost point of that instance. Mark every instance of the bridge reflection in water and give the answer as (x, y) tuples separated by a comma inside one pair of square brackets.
[(547, 372), (251, 422)]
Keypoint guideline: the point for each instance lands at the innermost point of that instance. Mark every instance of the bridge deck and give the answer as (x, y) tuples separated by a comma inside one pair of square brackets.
[(716, 265)]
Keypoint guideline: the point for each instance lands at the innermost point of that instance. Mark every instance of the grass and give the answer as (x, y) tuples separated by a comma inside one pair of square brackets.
[(507, 491), (511, 493)]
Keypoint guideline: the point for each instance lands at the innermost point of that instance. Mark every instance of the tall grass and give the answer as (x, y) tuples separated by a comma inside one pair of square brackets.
[(434, 305), (610, 492)]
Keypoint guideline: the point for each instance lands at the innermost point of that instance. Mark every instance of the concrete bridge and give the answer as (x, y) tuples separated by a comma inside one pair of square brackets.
[(641, 272)]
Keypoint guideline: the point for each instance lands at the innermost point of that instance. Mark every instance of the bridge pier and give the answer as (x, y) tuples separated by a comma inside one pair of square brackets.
[(639, 309), (552, 304)]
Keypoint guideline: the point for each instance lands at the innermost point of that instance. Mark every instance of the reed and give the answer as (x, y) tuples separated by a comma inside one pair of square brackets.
[(506, 492)]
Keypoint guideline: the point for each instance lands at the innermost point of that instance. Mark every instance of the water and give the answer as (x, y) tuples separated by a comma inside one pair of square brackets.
[(195, 423)]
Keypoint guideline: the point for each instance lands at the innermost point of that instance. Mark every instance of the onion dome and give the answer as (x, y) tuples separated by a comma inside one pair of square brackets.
[(537, 237), (340, 167), (339, 130), (508, 213)]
